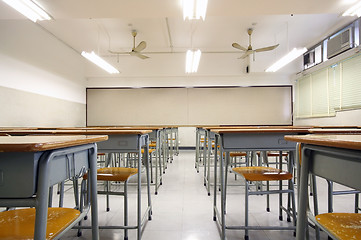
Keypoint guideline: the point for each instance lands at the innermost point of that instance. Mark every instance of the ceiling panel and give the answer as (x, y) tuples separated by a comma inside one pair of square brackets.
[(103, 25)]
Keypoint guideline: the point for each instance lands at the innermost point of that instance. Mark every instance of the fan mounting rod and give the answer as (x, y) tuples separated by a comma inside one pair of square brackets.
[(134, 34), (249, 31)]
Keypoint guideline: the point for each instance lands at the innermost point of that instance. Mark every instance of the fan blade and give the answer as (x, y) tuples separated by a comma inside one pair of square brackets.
[(246, 54), (137, 54), (236, 45), (140, 46), (266, 48)]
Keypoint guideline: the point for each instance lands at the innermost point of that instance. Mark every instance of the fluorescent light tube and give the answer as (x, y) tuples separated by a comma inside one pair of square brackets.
[(194, 9), (29, 9), (354, 10), (192, 61), (201, 9), (99, 62), (295, 53)]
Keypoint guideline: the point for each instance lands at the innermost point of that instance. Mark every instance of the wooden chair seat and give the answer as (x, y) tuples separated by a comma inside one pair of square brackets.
[(119, 174), (150, 150), (19, 223), (237, 154), (342, 225), (262, 173)]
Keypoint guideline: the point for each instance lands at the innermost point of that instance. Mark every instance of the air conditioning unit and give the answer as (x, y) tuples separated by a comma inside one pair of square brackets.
[(340, 43)]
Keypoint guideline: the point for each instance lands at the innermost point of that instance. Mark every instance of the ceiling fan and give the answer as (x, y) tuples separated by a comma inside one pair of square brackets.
[(248, 51), (135, 50)]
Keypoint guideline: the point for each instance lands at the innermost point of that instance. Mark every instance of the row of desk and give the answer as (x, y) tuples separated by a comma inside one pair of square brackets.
[(337, 152), (32, 160), (332, 153)]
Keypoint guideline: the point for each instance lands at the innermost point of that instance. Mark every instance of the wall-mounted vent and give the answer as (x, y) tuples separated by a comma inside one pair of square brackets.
[(340, 43)]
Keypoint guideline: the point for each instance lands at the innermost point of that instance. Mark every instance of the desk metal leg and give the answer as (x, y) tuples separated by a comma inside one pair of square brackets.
[(41, 215), (215, 181), (209, 149), (197, 150), (205, 159), (139, 207), (303, 198), (93, 191), (147, 162), (223, 217)]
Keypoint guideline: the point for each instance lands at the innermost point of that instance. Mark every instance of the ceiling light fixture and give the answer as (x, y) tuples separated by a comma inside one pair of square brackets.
[(353, 11), (29, 9), (192, 60), (194, 9), (289, 57), (99, 62)]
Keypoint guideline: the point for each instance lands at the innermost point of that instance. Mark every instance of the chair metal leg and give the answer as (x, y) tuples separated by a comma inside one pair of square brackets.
[(280, 188), (50, 201), (268, 209), (126, 209), (315, 203), (107, 187), (61, 194), (246, 195), (151, 167), (356, 203), (83, 193), (330, 197)]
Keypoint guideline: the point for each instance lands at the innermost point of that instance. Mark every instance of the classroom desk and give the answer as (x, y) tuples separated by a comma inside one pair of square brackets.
[(335, 157), (29, 165), (156, 134), (119, 141), (247, 139)]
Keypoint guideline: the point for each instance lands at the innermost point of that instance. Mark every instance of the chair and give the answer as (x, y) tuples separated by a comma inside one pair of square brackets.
[(19, 223), (340, 226), (278, 164), (332, 192), (267, 174), (343, 226), (119, 175)]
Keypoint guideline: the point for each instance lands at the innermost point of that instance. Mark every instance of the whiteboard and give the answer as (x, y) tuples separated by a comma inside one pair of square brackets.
[(267, 105)]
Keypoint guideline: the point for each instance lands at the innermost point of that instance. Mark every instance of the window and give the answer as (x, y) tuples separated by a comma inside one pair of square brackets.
[(334, 88), (312, 57)]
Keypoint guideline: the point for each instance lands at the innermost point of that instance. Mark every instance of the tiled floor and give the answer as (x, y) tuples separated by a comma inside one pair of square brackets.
[(182, 210)]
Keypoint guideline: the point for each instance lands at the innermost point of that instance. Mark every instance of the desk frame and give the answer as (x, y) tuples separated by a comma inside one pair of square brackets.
[(335, 164), (244, 141), (46, 179), (125, 143)]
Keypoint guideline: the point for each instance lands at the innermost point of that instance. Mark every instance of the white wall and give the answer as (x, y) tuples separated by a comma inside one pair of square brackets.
[(187, 136), (343, 118), (34, 61), (252, 79)]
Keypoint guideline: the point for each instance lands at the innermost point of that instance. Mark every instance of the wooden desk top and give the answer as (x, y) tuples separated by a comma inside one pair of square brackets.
[(113, 128), (42, 143), (17, 128), (349, 141), (335, 130), (255, 127), (261, 130), (77, 132)]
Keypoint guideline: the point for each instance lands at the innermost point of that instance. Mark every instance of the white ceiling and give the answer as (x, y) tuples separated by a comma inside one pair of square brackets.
[(103, 25)]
